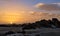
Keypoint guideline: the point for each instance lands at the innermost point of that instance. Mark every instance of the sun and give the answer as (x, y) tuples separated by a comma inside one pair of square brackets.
[(11, 17)]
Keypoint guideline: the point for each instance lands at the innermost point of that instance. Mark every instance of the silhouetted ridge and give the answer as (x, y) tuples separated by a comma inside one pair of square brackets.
[(54, 23)]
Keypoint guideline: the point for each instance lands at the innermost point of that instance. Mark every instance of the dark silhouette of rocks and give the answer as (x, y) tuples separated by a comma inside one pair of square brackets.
[(9, 32), (54, 23)]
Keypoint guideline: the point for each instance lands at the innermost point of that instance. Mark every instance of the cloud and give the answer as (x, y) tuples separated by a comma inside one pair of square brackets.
[(32, 16), (27, 16), (49, 7)]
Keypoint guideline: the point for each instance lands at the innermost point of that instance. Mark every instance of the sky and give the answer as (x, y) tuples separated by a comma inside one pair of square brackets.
[(28, 11)]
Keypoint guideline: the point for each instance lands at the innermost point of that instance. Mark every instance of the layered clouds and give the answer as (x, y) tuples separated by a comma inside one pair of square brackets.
[(31, 16), (12, 11), (27, 17)]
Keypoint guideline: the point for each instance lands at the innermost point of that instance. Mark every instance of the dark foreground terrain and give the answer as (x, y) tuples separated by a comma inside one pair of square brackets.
[(16, 31), (39, 28)]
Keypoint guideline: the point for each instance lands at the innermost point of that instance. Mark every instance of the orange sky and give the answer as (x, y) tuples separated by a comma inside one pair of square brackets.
[(14, 12)]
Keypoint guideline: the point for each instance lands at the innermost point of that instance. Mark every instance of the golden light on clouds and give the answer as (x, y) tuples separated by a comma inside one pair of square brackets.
[(39, 5), (20, 13), (25, 17)]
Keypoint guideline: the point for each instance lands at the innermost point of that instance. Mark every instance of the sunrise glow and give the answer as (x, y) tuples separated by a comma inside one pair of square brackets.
[(11, 17), (27, 11)]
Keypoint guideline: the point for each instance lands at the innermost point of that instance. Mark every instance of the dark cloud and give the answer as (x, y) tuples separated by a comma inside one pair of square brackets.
[(49, 7)]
